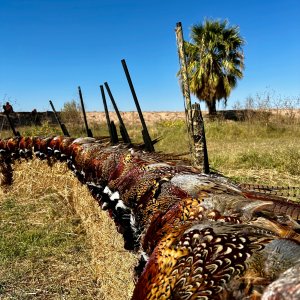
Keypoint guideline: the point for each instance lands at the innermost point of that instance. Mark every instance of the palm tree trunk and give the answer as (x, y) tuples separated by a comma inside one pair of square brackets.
[(211, 105)]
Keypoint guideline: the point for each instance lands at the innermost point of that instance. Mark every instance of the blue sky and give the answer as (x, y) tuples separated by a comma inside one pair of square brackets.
[(49, 47)]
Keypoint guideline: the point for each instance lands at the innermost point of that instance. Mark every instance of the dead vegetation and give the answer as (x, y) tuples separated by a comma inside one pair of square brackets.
[(56, 243)]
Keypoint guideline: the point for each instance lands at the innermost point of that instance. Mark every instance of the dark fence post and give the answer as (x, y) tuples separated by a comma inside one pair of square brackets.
[(114, 132), (62, 125), (123, 130), (145, 133), (113, 138), (88, 131)]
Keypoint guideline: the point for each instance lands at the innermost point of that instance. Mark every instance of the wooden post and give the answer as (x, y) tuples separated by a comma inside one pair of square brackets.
[(200, 150), (11, 124), (184, 82), (113, 138), (194, 120), (62, 125), (145, 133), (124, 132), (114, 132), (88, 131)]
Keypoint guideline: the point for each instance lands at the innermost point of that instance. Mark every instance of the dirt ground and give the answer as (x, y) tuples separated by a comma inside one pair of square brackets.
[(131, 117)]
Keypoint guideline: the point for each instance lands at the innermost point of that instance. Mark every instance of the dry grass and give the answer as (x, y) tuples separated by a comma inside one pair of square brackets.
[(56, 243), (255, 152)]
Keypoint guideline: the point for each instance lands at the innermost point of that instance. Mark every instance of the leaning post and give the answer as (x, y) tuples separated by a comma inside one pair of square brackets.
[(11, 124), (62, 125), (123, 129), (146, 135), (194, 120), (113, 138), (88, 131), (184, 81)]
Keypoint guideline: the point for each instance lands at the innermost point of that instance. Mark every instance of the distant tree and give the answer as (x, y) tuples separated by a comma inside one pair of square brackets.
[(215, 61)]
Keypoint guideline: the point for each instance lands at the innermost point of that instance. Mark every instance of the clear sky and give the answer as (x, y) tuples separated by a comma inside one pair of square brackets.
[(49, 47)]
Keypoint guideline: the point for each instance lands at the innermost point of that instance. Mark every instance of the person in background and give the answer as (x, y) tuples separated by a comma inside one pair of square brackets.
[(8, 108)]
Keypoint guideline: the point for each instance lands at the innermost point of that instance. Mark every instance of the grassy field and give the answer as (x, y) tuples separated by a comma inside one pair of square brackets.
[(56, 243), (243, 151)]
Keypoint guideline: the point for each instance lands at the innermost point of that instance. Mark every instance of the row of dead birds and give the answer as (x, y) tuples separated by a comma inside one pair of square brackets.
[(199, 236)]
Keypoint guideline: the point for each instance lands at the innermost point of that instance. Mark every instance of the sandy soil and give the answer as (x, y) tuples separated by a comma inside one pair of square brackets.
[(132, 117)]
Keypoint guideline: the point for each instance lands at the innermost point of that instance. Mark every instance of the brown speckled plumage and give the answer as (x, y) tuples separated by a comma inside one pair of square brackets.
[(200, 236)]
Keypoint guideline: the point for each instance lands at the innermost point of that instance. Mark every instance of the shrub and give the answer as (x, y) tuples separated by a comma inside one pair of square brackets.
[(268, 107), (71, 113)]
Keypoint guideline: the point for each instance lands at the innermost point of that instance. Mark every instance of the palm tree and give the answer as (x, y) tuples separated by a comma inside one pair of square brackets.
[(215, 61)]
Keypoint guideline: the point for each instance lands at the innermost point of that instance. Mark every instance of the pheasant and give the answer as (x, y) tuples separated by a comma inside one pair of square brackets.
[(199, 236)]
